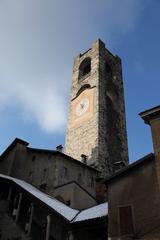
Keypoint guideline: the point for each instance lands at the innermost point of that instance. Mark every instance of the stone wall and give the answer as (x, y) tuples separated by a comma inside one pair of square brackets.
[(83, 139), (103, 137)]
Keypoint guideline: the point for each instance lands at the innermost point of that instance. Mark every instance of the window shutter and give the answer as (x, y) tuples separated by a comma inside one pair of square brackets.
[(126, 220)]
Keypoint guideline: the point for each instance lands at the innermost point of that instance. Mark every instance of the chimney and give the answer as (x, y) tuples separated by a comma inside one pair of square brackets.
[(84, 158), (59, 148), (152, 118)]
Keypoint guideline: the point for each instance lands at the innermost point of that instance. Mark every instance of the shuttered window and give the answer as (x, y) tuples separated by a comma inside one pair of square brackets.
[(126, 220)]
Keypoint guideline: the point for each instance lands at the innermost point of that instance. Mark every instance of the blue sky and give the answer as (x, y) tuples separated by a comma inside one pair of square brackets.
[(38, 42)]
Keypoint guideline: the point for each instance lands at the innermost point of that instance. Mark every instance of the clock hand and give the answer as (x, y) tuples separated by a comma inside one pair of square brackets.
[(82, 105)]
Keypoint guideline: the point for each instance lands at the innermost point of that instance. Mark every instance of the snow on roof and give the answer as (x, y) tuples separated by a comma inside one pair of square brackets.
[(58, 206), (67, 212), (93, 212)]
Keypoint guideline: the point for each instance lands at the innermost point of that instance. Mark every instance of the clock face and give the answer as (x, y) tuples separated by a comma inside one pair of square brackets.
[(82, 107)]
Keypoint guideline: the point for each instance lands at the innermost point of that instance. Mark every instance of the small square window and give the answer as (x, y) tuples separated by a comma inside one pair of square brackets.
[(43, 186), (31, 176), (68, 202), (64, 173), (33, 158), (90, 181)]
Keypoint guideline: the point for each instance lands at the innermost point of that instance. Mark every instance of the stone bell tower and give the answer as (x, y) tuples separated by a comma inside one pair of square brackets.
[(96, 120)]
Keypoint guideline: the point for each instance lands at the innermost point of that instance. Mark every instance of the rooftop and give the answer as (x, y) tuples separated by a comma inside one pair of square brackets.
[(124, 170), (150, 114), (20, 141), (70, 214)]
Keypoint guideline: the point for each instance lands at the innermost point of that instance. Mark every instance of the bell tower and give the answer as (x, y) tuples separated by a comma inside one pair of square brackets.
[(96, 120)]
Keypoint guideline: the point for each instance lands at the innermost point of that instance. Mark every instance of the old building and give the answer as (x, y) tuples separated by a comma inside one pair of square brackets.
[(28, 213), (96, 120), (52, 172), (134, 192)]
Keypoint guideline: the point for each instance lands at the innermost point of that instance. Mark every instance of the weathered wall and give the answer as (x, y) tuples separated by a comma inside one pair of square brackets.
[(79, 199), (138, 188), (82, 200), (72, 170), (46, 169), (35, 167), (7, 163)]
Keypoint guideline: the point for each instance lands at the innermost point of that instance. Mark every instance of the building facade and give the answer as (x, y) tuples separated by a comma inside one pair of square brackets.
[(49, 170), (134, 192)]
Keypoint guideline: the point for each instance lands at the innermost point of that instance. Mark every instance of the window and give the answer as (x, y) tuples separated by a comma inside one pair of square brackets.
[(44, 172), (108, 74), (30, 176), (126, 220), (60, 198), (49, 156), (64, 172), (90, 181), (79, 178), (84, 68), (108, 69), (43, 186), (68, 202), (33, 158), (44, 175)]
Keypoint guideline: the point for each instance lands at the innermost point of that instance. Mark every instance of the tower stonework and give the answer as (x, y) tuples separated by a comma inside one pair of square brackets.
[(96, 120)]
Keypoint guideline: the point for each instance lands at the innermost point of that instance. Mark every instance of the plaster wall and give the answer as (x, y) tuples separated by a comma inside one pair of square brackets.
[(79, 199), (138, 188), (47, 170)]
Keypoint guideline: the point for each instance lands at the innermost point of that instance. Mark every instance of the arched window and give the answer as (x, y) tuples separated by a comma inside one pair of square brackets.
[(109, 73), (85, 67)]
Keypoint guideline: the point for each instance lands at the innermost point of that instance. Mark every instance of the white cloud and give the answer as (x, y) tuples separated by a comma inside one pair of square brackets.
[(38, 41)]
